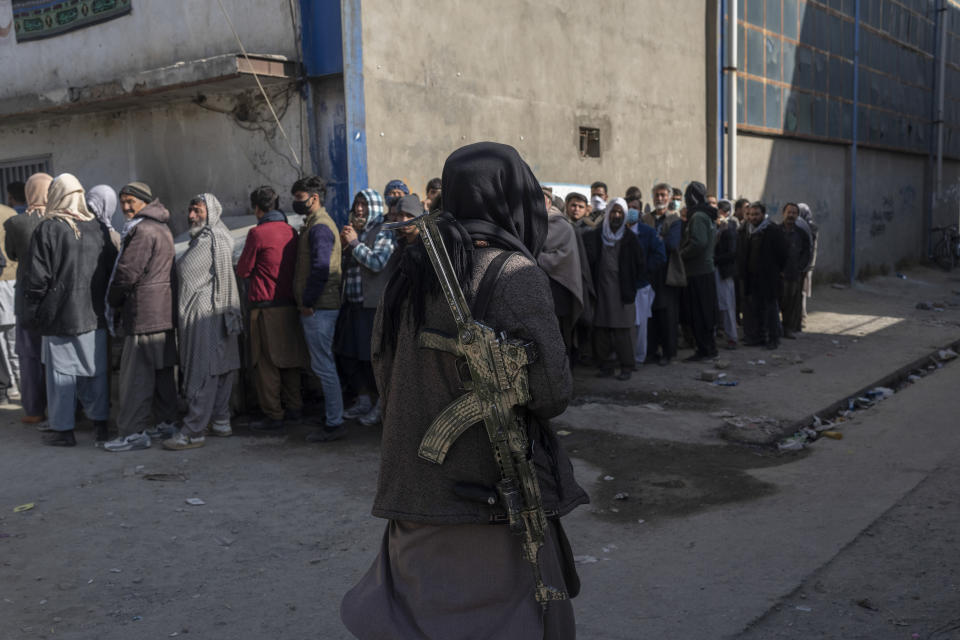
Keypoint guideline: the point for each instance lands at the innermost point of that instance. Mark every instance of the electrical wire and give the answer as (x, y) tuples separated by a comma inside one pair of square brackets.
[(256, 77)]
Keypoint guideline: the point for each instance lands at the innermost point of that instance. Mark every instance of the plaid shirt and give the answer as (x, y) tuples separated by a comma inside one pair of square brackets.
[(374, 259)]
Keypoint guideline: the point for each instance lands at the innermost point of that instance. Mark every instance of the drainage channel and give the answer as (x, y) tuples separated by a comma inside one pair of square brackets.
[(829, 421)]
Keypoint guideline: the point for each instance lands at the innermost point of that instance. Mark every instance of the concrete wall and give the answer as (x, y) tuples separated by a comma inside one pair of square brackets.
[(156, 33), (529, 73), (180, 150), (891, 197)]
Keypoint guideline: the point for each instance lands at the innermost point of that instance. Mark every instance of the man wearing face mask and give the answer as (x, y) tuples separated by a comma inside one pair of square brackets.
[(656, 257), (366, 251), (598, 202), (316, 288), (394, 190), (618, 265), (662, 331)]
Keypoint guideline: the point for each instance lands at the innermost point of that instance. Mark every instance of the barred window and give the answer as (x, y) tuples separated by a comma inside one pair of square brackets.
[(20, 170)]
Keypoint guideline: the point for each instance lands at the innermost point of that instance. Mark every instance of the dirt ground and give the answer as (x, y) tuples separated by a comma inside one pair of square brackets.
[(111, 549)]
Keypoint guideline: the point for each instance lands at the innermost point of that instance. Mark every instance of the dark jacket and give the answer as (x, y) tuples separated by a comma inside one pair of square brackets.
[(411, 488), (66, 277), (653, 249), (142, 288), (725, 253), (764, 257), (269, 259), (799, 250), (631, 262), (699, 236), (16, 244)]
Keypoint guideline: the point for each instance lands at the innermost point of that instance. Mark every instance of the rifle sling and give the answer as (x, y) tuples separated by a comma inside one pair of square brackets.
[(485, 291)]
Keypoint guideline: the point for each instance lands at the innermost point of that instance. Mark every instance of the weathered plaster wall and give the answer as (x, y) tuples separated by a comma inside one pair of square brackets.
[(157, 33), (529, 73), (891, 205), (180, 150)]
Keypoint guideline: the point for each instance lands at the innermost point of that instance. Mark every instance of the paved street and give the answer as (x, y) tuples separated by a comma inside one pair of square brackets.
[(851, 538)]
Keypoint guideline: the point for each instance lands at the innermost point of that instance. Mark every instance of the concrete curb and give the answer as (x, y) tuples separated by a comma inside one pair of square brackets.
[(771, 438)]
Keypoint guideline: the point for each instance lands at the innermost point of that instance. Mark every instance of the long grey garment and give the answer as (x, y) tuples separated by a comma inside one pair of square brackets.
[(611, 312), (456, 581), (147, 384), (209, 305)]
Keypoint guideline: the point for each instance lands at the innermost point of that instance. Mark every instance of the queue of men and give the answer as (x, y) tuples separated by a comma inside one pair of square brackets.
[(627, 286), (75, 286), (692, 269)]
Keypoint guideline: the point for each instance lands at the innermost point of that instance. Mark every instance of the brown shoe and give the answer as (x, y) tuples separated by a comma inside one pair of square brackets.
[(32, 419)]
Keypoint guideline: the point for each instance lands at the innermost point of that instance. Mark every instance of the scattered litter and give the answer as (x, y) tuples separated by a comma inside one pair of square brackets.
[(195, 501), (614, 510), (653, 406), (608, 478), (115, 570), (835, 341), (913, 378), (137, 618), (722, 414), (165, 477), (803, 608), (835, 435), (866, 604), (806, 370), (924, 306), (761, 362), (726, 383), (563, 432), (4, 535), (879, 393), (24, 507), (901, 276), (722, 364), (709, 375), (226, 542), (90, 581), (584, 559), (796, 442), (947, 354), (316, 561), (139, 468), (623, 495), (837, 285), (174, 634), (641, 521)]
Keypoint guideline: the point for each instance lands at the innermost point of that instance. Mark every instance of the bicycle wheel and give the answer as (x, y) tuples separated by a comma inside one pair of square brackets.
[(942, 254)]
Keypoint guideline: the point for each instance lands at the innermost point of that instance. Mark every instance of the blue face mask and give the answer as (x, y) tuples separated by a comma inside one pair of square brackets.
[(633, 216)]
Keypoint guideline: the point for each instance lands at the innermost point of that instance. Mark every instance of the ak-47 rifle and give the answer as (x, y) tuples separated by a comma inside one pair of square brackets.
[(498, 385)]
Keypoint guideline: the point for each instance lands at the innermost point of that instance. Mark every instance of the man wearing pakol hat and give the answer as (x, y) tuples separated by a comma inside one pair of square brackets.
[(141, 297)]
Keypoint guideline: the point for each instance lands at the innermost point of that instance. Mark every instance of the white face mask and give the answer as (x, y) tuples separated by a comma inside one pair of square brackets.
[(598, 202), (661, 206)]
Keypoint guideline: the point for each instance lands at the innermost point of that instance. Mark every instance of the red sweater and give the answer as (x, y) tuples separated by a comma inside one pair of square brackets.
[(268, 260)]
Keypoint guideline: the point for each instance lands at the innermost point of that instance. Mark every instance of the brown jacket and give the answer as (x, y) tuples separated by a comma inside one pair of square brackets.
[(142, 287)]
